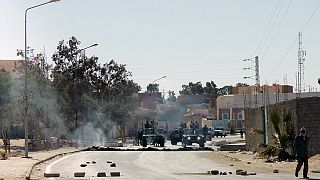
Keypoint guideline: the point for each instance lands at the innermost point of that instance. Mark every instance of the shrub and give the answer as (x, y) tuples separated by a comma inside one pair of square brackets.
[(3, 155)]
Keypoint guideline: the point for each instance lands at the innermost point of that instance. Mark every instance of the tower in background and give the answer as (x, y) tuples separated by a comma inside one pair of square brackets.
[(301, 59)]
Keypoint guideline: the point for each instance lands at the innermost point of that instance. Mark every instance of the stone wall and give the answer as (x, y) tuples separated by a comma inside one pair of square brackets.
[(305, 112)]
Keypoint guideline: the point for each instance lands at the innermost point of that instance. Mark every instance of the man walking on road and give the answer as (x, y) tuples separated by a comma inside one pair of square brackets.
[(301, 152)]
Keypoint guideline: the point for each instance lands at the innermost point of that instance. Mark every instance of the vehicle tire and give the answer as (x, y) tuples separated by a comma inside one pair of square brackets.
[(144, 142), (162, 143), (173, 142), (201, 144), (184, 144)]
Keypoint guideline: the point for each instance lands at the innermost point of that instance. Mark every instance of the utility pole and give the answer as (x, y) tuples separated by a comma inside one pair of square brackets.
[(256, 75), (301, 59), (257, 71)]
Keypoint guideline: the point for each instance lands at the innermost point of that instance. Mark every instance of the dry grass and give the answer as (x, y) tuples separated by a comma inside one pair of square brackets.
[(3, 155)]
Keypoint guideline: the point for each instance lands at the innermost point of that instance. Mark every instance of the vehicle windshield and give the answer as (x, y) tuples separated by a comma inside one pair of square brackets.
[(219, 128)]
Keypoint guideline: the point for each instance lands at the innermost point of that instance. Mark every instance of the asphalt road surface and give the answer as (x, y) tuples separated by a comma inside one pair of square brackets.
[(148, 165)]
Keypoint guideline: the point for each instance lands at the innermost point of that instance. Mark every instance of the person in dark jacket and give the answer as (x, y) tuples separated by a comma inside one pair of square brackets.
[(301, 152)]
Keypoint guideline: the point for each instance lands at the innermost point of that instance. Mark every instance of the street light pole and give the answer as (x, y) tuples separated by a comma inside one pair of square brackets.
[(152, 83), (158, 79), (77, 81), (26, 78)]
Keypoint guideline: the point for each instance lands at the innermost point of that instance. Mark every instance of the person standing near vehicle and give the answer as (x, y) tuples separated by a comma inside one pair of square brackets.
[(301, 151)]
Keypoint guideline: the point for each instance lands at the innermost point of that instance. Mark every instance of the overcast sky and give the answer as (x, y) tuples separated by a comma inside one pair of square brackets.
[(186, 40)]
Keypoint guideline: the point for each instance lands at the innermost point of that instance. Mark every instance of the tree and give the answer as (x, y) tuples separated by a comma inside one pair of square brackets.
[(153, 88), (225, 90), (211, 88), (192, 89), (172, 96), (7, 108), (123, 104), (90, 92), (44, 120), (73, 79)]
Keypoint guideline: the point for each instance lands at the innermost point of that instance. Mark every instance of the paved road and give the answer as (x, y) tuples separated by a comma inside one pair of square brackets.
[(148, 165)]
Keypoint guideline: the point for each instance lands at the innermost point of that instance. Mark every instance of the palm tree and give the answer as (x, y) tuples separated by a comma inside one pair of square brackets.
[(280, 139)]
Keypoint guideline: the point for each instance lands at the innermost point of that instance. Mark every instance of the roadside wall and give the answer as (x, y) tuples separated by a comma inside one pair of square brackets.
[(305, 112), (254, 120)]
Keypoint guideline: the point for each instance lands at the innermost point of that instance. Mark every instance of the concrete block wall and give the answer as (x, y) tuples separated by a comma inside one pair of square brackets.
[(308, 116), (253, 121), (305, 112)]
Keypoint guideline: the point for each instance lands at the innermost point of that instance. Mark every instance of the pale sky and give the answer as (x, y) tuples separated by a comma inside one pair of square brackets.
[(185, 40)]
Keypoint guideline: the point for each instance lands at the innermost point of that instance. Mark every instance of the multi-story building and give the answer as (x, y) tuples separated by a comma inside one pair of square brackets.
[(149, 100), (230, 108), (275, 88)]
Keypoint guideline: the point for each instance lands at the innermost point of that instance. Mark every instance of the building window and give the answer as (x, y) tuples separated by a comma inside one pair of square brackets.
[(225, 115), (240, 117)]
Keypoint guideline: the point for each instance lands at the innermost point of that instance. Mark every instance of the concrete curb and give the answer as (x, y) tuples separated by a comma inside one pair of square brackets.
[(47, 159)]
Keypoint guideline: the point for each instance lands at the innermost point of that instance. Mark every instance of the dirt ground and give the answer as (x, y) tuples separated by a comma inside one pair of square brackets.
[(248, 161), (17, 147), (15, 142)]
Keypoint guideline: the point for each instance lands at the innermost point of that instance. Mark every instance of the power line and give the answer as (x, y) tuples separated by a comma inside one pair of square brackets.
[(295, 40), (274, 22), (265, 32), (284, 56), (309, 19), (276, 32)]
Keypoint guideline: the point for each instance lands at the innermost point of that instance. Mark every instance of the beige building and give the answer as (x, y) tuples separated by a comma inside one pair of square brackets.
[(14, 67), (275, 88), (231, 107), (149, 100)]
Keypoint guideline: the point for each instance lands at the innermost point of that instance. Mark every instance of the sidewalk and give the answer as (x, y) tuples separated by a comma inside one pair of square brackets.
[(18, 167)]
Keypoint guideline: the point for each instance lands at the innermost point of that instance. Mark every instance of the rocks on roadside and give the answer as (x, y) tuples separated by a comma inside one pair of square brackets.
[(238, 172), (83, 165), (214, 172), (244, 173)]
